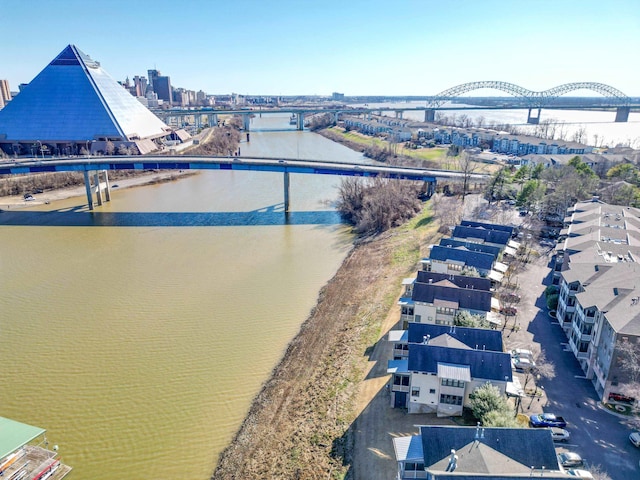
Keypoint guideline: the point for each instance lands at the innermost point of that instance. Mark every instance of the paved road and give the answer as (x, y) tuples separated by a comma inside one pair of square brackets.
[(600, 437)]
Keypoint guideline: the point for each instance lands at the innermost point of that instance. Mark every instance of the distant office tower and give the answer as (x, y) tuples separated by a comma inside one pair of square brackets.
[(152, 75), (337, 96), (162, 86), (140, 84), (5, 93)]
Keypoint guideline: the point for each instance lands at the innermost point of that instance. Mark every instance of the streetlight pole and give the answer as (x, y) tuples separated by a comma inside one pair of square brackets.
[(87, 148), (41, 150)]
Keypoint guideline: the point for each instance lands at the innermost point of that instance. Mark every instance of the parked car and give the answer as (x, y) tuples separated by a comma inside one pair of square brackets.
[(569, 459), (560, 434), (618, 397), (509, 311), (522, 363), (635, 439), (522, 352), (547, 420), (577, 472), (510, 297)]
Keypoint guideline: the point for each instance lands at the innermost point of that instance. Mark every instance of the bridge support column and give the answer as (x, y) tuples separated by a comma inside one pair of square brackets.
[(622, 114), (246, 121), (96, 183), (213, 120), (87, 186), (399, 113), (533, 120), (300, 121), (336, 117), (98, 186), (286, 192), (429, 115)]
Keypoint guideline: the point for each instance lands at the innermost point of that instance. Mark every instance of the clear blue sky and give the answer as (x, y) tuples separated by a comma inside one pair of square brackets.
[(358, 47)]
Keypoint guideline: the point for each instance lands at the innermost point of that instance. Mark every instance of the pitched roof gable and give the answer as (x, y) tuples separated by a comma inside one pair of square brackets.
[(476, 338), (524, 446)]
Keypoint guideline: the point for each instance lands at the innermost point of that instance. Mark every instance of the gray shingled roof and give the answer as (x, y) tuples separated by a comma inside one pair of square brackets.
[(462, 281), (466, 298), (488, 226), (476, 247), (475, 338), (483, 261), (526, 446), (484, 364), (489, 236)]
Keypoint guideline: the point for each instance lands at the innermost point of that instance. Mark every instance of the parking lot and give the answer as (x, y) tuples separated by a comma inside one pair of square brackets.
[(597, 435)]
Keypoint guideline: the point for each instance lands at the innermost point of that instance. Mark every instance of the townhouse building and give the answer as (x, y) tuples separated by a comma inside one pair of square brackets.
[(444, 365), (441, 452)]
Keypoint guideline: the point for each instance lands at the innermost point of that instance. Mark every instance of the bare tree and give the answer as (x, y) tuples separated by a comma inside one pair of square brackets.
[(448, 210), (467, 167), (543, 369)]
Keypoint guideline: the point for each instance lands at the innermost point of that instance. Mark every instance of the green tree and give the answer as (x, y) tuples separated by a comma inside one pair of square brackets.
[(537, 171), (626, 172), (531, 194), (581, 167), (501, 418), (466, 319), (486, 399)]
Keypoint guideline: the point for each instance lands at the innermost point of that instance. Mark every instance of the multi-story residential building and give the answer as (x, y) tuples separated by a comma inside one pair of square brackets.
[(473, 453), (599, 289), (444, 365), (427, 305)]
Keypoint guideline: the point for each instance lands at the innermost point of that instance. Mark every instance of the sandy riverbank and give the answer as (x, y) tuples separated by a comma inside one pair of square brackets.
[(48, 196)]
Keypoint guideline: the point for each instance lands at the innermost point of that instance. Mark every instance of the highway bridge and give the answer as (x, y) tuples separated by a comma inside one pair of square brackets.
[(97, 182), (522, 99)]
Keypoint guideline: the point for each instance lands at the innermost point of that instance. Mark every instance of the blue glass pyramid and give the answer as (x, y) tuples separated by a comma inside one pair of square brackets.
[(74, 100)]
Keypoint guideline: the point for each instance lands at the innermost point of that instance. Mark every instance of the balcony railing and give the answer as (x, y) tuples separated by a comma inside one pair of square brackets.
[(400, 388)]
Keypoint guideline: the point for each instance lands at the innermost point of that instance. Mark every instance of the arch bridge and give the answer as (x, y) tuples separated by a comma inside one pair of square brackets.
[(534, 100)]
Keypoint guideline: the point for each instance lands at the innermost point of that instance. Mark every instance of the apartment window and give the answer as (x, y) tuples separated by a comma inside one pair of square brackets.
[(415, 391), (451, 399), (453, 266), (432, 391), (401, 380), (445, 310), (448, 382)]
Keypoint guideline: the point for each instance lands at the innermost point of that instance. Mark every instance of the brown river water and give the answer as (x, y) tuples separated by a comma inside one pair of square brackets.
[(138, 335)]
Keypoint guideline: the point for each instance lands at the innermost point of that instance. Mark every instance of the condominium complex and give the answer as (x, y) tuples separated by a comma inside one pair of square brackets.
[(598, 275)]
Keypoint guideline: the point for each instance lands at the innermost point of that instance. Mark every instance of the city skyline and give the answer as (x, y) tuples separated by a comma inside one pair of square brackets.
[(411, 48)]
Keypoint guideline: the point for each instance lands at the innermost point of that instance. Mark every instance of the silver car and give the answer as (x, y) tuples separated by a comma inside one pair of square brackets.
[(569, 459), (560, 434)]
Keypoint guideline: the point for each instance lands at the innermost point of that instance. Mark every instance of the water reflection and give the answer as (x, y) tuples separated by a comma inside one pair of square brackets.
[(81, 217)]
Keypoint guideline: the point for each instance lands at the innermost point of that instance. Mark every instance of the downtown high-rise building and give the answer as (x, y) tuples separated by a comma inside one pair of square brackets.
[(140, 84), (5, 93)]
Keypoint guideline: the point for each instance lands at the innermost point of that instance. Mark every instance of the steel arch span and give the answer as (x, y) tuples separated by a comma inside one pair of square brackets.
[(532, 98)]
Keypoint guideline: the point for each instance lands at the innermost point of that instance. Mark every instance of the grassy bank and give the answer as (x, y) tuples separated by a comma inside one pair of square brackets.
[(299, 424)]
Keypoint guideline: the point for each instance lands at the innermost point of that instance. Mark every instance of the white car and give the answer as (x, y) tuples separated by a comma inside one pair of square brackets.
[(578, 472), (522, 353), (560, 434), (635, 439), (522, 363)]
